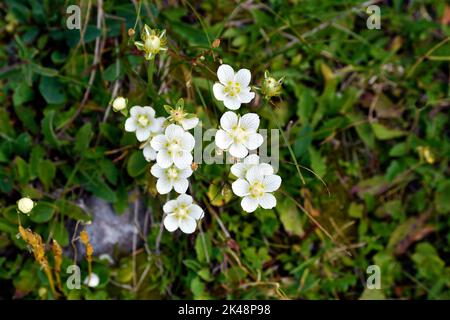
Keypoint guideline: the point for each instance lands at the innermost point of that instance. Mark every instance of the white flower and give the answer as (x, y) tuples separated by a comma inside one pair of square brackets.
[(92, 281), (152, 42), (143, 121), (238, 135), (119, 103), (233, 89), (174, 147), (171, 178), (255, 189), (240, 169), (25, 205), (182, 213)]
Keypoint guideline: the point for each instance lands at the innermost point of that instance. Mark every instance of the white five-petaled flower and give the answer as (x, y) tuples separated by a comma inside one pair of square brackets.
[(142, 121), (240, 169), (238, 135), (233, 88), (182, 213), (174, 147), (171, 178), (256, 189)]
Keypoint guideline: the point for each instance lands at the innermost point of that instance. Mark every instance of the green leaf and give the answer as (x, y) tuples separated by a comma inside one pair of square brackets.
[(203, 247), (385, 133), (318, 163), (71, 210), (136, 164), (42, 212), (289, 216), (83, 138), (22, 93), (52, 90), (356, 210), (47, 128), (46, 172)]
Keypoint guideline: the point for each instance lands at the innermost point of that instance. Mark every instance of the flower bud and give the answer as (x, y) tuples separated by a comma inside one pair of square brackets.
[(25, 205), (271, 87), (119, 104), (131, 32)]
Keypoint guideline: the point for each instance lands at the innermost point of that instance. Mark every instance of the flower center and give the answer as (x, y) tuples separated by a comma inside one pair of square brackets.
[(238, 134), (172, 173), (153, 43), (232, 88), (143, 120), (256, 189), (181, 212), (173, 146)]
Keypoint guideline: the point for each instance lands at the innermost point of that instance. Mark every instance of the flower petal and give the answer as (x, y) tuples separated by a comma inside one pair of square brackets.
[(254, 174), (171, 223), (187, 225), (130, 125), (135, 111), (232, 103), (267, 201), (266, 169), (225, 73), (218, 90), (173, 131), (159, 142), (149, 111), (228, 120), (183, 159), (249, 122), (163, 159), (164, 185), (187, 142), (243, 77), (157, 171), (245, 96), (185, 173), (170, 206), (239, 169), (181, 185), (188, 124), (249, 204), (142, 134), (196, 212), (149, 153), (252, 159), (240, 187), (271, 183), (223, 139), (184, 199), (238, 150), (254, 141)]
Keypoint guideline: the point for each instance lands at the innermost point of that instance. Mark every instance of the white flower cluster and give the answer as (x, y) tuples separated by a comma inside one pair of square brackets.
[(171, 145), (238, 135)]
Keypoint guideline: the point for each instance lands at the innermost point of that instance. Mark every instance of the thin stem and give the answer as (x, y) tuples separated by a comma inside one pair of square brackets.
[(294, 158)]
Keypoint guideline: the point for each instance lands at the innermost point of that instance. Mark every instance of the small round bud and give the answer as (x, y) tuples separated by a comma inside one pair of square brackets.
[(194, 166), (119, 104), (25, 205), (92, 280), (131, 32), (153, 43)]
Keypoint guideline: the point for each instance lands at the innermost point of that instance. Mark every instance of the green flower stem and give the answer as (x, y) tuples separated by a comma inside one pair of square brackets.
[(274, 117), (150, 71)]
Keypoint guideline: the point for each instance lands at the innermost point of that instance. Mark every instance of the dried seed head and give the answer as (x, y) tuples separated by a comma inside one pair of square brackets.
[(216, 43)]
